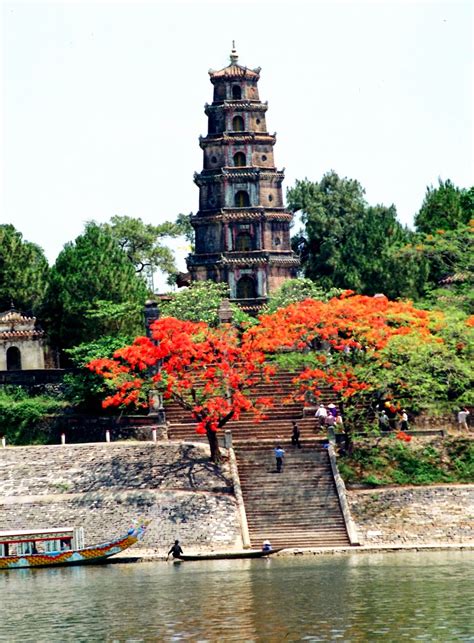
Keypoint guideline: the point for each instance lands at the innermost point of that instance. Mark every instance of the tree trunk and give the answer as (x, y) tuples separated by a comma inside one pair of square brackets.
[(214, 445)]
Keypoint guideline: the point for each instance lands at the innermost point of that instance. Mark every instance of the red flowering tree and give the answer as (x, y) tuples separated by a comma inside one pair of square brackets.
[(210, 372), (342, 343)]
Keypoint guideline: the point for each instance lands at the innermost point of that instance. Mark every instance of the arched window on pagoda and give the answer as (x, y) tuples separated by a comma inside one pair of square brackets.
[(238, 124), (13, 359), (242, 199), (240, 159), (236, 92), (243, 242), (246, 288)]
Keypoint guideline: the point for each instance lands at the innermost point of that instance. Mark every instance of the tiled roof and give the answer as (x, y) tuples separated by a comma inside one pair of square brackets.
[(239, 137), (245, 215), (236, 175), (15, 316), (21, 334), (282, 260), (14, 325), (235, 71), (236, 106)]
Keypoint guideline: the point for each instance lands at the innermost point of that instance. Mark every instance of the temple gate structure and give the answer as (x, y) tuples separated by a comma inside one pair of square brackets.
[(242, 229)]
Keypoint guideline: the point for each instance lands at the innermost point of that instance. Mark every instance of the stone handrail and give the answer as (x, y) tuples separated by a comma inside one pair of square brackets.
[(341, 492), (239, 497)]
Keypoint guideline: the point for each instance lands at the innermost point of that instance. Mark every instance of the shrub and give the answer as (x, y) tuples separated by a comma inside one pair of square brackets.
[(373, 481), (22, 416)]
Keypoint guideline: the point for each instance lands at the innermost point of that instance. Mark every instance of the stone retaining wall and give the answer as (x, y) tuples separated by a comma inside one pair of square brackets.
[(414, 515), (102, 487), (79, 428)]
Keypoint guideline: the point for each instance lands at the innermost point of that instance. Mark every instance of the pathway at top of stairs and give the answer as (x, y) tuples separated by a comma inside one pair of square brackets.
[(278, 423)]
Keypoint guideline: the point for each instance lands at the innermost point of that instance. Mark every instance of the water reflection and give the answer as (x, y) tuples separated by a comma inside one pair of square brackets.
[(412, 596)]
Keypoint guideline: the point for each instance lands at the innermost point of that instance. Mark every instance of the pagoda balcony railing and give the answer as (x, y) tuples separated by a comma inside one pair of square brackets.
[(251, 306), (246, 254)]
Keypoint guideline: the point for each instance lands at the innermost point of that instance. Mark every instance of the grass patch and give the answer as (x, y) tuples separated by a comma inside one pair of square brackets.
[(391, 462)]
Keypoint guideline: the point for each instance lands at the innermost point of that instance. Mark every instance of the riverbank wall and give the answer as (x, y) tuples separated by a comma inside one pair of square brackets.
[(103, 487), (409, 515)]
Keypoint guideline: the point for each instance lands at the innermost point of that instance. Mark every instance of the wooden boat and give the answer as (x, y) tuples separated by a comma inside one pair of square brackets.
[(59, 547), (217, 555)]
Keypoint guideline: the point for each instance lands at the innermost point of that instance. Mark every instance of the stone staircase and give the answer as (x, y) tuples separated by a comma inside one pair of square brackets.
[(296, 508), (300, 506)]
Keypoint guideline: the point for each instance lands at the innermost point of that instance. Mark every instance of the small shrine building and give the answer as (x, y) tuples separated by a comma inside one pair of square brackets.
[(22, 345)]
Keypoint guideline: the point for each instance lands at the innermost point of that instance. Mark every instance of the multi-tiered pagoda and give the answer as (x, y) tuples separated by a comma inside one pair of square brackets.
[(242, 229)]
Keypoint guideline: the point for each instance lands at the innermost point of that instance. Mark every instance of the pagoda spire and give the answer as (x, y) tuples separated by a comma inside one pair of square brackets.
[(234, 56)]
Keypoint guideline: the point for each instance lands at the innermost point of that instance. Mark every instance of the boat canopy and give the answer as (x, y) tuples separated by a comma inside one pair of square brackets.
[(25, 541), (27, 534)]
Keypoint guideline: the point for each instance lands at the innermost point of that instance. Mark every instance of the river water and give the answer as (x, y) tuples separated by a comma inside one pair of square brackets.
[(412, 596)]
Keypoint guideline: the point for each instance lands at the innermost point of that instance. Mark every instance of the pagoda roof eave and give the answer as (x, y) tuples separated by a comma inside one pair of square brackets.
[(236, 105), (237, 137), (228, 214), (235, 72)]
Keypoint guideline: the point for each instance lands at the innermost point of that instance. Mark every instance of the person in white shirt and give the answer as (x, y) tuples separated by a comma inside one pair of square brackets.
[(322, 414), (462, 420), (404, 422)]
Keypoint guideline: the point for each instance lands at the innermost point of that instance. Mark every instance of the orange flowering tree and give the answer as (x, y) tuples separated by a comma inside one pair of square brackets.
[(343, 344), (210, 372)]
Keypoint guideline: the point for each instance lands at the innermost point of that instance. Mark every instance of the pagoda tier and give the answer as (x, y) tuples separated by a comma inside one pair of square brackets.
[(242, 227)]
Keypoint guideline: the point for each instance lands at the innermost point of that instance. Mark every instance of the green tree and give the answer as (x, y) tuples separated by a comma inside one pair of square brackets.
[(87, 274), (300, 289), (441, 269), (445, 208), (23, 271), (143, 243), (84, 389), (345, 243), (199, 302), (183, 223)]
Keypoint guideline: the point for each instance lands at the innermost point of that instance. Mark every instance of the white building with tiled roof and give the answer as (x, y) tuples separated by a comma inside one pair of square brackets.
[(22, 345)]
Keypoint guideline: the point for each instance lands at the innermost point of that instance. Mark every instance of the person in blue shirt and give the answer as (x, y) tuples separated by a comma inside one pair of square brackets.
[(279, 455)]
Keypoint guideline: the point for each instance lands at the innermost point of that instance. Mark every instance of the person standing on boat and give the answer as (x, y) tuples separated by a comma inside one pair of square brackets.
[(175, 550), (279, 455)]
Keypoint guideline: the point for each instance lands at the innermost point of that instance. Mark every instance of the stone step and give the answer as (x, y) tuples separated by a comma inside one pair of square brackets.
[(301, 544), (299, 540), (290, 525), (294, 533)]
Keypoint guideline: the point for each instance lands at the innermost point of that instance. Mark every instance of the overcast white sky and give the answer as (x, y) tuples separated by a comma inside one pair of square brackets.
[(102, 103)]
